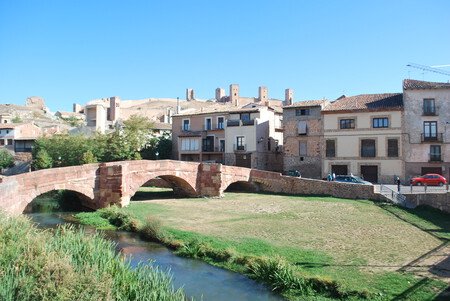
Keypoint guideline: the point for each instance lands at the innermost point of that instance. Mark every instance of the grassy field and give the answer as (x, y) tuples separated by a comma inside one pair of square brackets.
[(357, 244)]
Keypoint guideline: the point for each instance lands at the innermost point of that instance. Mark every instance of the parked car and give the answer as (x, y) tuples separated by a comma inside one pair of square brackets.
[(294, 173), (429, 179), (351, 179)]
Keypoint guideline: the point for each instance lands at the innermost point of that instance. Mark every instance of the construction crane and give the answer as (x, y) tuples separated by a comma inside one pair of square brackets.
[(430, 68)]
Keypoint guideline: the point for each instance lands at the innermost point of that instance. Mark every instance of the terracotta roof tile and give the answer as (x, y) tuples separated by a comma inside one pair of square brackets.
[(412, 84), (367, 102)]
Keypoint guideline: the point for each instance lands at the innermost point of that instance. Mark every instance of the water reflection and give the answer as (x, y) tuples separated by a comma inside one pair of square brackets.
[(199, 280)]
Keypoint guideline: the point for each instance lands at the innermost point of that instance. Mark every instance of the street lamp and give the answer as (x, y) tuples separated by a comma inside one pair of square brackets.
[(157, 154)]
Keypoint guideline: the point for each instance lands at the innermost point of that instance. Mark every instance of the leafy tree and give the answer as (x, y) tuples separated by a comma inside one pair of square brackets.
[(158, 145), (6, 159), (137, 131), (42, 160)]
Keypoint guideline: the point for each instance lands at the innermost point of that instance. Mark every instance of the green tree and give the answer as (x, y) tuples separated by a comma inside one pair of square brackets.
[(6, 159), (88, 157), (158, 148), (42, 160), (137, 131)]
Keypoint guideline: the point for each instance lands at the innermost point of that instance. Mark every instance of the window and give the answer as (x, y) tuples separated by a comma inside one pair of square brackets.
[(208, 124), (429, 107), (301, 112), (220, 122), (430, 130), (240, 143), (368, 148), (208, 144), (330, 148), (435, 153), (222, 145), (2, 142), (9, 142), (380, 122), (302, 127), (245, 116), (347, 123), (186, 125), (302, 148), (189, 144), (392, 147)]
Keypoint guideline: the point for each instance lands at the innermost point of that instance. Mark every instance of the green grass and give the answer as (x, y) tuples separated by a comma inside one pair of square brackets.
[(68, 264), (340, 248)]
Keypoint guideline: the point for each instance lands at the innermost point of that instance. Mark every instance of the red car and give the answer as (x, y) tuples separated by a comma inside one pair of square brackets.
[(429, 179)]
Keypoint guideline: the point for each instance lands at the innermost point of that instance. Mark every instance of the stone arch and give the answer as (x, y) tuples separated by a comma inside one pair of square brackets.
[(180, 186), (248, 186), (85, 196)]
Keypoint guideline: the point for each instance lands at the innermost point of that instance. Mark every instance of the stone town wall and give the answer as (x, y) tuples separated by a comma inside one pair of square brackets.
[(275, 182), (439, 201)]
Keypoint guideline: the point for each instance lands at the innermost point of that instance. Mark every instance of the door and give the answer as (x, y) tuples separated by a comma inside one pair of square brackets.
[(369, 173), (244, 160), (437, 170), (339, 169)]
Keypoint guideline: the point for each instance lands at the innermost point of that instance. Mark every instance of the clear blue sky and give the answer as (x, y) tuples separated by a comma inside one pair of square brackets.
[(73, 51)]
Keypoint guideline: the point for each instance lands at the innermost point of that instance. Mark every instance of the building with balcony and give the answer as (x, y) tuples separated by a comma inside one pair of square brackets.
[(199, 136), (426, 126), (362, 135), (302, 135), (18, 138), (249, 137), (254, 138)]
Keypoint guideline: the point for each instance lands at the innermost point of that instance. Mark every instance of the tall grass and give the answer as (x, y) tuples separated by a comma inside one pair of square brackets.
[(67, 264)]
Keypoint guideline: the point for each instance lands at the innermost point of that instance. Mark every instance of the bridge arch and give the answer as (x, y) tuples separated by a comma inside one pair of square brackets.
[(83, 198), (180, 186), (247, 186)]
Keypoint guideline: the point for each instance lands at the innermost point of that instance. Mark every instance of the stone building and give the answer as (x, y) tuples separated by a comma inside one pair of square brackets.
[(426, 128), (302, 124), (102, 114), (362, 135)]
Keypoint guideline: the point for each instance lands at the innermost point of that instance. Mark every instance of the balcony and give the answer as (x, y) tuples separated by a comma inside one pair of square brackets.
[(237, 122), (240, 147), (185, 128), (429, 111), (210, 149), (428, 137), (248, 122), (435, 157)]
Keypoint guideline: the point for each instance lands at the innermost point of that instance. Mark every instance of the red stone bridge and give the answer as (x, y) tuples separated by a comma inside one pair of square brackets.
[(104, 184)]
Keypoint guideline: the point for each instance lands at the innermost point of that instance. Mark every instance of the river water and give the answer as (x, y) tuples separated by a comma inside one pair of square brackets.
[(198, 279)]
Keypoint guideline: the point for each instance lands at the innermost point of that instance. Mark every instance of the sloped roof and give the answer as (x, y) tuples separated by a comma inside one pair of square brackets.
[(412, 84), (367, 102), (307, 103)]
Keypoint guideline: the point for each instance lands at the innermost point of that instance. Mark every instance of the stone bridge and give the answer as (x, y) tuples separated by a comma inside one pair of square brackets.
[(104, 184)]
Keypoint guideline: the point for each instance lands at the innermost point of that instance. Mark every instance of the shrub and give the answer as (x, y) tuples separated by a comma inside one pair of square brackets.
[(151, 230), (120, 219), (6, 159), (42, 160)]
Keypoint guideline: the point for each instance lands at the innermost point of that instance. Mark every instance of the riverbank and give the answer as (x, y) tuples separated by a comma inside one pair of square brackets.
[(66, 264), (309, 247)]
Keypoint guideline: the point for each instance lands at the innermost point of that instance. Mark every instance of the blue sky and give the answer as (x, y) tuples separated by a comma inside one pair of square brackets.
[(74, 51)]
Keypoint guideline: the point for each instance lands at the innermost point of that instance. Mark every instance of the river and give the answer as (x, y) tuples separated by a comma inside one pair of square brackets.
[(198, 279)]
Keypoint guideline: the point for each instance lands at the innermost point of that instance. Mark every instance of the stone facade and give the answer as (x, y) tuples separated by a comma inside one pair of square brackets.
[(420, 141), (35, 102), (302, 151), (439, 201)]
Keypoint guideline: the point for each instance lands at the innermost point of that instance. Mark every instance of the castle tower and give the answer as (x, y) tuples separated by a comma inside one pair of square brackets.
[(190, 94), (220, 94), (114, 108), (288, 97), (263, 95), (234, 94), (77, 108)]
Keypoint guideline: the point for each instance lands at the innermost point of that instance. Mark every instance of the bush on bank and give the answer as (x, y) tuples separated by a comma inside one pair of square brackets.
[(67, 264)]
